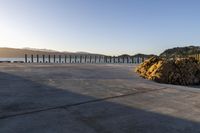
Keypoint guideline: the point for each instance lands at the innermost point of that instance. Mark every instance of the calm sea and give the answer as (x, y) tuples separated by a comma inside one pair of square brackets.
[(12, 59), (34, 59)]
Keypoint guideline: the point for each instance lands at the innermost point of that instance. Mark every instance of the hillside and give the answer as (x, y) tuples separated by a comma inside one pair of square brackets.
[(137, 55), (180, 51), (14, 52), (144, 55)]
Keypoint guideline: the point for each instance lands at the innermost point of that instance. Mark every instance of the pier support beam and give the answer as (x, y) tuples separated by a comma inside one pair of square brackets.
[(59, 58), (54, 58), (65, 59), (132, 60), (25, 58), (90, 59), (43, 57), (49, 59), (85, 58), (99, 59), (105, 59), (31, 58), (37, 56), (95, 59), (80, 58), (75, 58), (138, 60)]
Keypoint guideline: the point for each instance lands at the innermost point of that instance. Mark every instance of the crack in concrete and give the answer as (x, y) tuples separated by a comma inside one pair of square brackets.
[(77, 104)]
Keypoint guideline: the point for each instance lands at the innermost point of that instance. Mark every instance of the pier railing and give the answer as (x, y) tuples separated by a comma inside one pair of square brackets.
[(82, 59)]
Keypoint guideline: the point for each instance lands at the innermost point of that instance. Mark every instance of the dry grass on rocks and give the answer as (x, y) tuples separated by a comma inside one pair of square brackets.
[(179, 71)]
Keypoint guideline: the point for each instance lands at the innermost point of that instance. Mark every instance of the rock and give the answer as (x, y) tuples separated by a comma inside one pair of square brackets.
[(144, 67), (179, 71)]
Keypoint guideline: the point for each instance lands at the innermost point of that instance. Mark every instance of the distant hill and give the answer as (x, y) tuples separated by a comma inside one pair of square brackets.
[(144, 55), (15, 53), (137, 55), (180, 52)]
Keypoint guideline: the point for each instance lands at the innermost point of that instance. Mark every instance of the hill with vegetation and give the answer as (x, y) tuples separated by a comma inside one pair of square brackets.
[(137, 55), (180, 52)]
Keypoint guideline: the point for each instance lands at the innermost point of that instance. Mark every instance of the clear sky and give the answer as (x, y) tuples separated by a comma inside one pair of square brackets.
[(101, 26)]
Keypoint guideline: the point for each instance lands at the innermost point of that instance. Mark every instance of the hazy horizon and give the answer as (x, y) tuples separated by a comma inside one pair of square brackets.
[(110, 27), (54, 50)]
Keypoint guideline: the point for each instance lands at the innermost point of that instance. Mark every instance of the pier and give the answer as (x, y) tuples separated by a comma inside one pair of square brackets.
[(89, 59)]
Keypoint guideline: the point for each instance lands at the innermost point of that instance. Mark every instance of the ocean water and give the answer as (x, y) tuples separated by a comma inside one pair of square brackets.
[(29, 59), (12, 59)]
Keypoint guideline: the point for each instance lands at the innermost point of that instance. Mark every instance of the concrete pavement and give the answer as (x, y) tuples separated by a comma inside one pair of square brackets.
[(103, 98)]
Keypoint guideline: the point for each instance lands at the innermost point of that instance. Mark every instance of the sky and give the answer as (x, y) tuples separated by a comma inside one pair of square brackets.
[(111, 27)]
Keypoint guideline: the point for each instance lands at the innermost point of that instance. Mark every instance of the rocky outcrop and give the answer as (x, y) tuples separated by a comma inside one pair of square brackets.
[(179, 71)]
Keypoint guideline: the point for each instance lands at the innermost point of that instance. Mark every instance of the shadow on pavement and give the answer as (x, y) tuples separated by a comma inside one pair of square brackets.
[(27, 106)]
